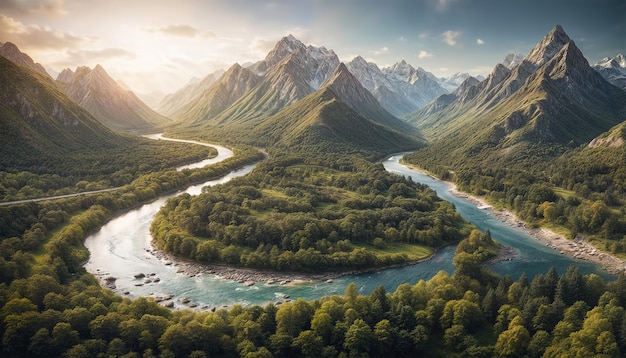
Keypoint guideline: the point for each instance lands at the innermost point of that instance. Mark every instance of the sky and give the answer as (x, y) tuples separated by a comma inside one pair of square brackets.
[(159, 45)]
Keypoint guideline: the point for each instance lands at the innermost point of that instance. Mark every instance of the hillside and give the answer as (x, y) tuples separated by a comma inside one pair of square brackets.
[(40, 122), (208, 103), (10, 51)]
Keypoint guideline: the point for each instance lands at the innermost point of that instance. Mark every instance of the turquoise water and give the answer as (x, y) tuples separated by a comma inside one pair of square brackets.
[(121, 248)]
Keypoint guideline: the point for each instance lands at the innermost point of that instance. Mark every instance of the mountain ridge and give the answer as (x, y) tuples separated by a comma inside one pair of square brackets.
[(41, 122), (107, 101), (552, 98)]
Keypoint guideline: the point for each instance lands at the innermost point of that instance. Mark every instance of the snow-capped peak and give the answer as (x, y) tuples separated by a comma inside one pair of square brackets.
[(511, 60)]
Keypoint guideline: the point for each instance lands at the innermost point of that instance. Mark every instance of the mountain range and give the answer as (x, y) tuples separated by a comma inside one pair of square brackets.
[(341, 116), (552, 98), (40, 123), (10, 51), (291, 71), (613, 70), (107, 101)]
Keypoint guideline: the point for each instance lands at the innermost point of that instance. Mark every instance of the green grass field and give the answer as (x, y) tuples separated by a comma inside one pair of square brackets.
[(414, 252)]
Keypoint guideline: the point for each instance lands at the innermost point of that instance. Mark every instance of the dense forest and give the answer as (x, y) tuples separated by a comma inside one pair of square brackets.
[(51, 307), (308, 214), (23, 178), (580, 192)]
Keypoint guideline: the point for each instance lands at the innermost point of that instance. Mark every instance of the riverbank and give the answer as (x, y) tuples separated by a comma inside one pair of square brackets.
[(578, 248), (249, 277)]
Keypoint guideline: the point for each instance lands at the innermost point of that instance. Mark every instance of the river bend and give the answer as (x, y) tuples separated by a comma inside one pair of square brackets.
[(122, 247)]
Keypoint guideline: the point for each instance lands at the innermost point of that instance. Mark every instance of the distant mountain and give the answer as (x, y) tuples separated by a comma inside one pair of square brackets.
[(172, 102), (466, 89), (401, 89), (39, 122), (350, 91), (152, 99), (231, 86), (11, 52), (613, 70), (552, 99), (512, 60), (452, 82), (107, 101)]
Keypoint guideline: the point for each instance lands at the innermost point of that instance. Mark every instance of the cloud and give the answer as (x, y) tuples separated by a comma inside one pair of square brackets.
[(480, 42), (36, 37), (180, 31), (28, 7), (449, 37), (91, 57), (261, 46), (424, 54), (381, 51), (443, 5)]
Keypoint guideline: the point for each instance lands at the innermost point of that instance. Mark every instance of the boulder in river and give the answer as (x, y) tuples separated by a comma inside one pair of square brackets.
[(140, 275)]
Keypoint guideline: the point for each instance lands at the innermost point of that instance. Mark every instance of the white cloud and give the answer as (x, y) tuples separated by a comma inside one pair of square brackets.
[(35, 37), (449, 37), (424, 54), (74, 58), (480, 42), (381, 51), (180, 30)]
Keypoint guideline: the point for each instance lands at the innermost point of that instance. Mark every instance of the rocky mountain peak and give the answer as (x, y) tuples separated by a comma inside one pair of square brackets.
[(10, 51), (283, 48), (621, 61), (469, 82), (549, 46), (613, 70), (511, 60), (402, 70), (359, 61), (65, 76)]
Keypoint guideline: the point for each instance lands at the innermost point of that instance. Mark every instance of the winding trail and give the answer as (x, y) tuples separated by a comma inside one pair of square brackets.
[(7, 203)]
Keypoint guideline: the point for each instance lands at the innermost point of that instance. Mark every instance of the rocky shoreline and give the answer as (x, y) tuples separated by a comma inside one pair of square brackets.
[(578, 248), (248, 276)]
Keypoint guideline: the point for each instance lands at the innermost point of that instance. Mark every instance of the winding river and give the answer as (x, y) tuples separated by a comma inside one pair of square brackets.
[(122, 248)]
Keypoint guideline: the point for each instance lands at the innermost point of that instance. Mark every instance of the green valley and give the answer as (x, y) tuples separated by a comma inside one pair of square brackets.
[(157, 266)]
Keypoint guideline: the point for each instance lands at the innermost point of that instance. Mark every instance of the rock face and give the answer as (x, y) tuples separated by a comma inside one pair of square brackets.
[(107, 101), (11, 52), (613, 70)]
